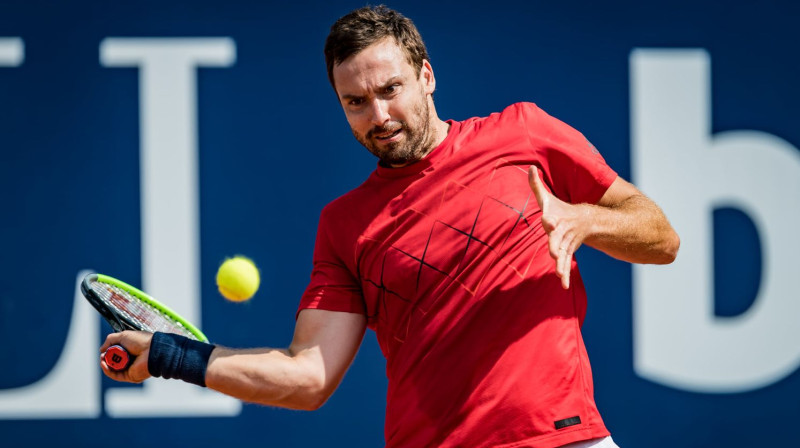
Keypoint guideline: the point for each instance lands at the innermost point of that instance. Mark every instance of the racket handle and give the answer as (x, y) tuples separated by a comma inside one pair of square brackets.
[(117, 358)]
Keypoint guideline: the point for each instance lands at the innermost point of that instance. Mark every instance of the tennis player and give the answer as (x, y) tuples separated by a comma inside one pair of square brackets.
[(457, 251)]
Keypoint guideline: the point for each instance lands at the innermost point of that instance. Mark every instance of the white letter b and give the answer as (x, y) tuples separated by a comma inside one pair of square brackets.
[(678, 341)]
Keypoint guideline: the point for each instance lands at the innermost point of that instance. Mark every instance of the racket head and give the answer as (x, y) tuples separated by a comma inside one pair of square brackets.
[(125, 307)]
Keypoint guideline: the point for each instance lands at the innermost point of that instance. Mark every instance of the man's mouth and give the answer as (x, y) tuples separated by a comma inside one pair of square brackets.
[(388, 136)]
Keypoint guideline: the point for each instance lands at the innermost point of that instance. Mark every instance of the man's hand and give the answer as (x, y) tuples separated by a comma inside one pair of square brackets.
[(137, 343), (624, 223), (566, 229)]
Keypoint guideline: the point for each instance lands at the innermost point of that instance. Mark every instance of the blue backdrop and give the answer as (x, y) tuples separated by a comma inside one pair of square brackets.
[(273, 147)]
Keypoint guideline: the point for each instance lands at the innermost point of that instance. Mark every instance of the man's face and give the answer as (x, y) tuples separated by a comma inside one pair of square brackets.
[(386, 102)]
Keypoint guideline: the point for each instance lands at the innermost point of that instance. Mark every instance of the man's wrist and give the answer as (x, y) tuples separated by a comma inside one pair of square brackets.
[(175, 356)]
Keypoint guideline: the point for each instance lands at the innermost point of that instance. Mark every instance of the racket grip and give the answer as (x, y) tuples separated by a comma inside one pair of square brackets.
[(117, 358)]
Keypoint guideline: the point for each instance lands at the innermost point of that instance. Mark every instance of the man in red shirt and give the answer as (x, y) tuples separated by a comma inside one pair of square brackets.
[(457, 251)]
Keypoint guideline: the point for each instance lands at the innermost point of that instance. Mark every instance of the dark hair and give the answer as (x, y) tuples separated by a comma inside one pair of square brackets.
[(363, 27)]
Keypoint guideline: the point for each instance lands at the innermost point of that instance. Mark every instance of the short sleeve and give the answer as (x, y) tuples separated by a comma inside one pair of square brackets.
[(573, 168), (333, 286)]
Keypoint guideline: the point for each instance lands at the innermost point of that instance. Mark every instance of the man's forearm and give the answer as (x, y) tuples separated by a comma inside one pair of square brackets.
[(634, 230), (272, 377)]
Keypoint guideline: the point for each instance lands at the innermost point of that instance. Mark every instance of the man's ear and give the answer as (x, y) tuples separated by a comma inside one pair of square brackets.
[(426, 77)]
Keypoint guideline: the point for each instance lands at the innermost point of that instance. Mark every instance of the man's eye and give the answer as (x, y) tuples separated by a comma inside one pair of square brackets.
[(391, 89), (356, 101)]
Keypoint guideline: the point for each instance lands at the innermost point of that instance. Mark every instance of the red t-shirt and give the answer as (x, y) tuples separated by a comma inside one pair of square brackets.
[(448, 260)]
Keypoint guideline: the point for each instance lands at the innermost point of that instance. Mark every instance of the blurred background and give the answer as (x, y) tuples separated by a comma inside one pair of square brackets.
[(151, 140)]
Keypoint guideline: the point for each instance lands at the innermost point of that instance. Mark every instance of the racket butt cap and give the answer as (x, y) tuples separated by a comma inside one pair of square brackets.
[(117, 358)]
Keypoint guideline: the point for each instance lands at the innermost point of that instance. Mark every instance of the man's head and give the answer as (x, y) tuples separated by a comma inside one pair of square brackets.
[(363, 27), (378, 66)]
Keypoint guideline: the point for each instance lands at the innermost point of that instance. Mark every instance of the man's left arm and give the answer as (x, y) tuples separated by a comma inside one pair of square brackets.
[(624, 224)]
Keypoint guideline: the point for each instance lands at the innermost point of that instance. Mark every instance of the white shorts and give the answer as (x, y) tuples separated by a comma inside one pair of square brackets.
[(604, 442)]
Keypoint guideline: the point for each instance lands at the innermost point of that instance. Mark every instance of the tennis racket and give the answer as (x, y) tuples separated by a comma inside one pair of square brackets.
[(127, 308)]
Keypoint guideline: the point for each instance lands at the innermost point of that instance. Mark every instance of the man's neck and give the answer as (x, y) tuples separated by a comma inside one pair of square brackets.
[(440, 130)]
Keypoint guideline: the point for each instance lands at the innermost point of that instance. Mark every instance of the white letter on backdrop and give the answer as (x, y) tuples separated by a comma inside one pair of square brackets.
[(678, 341), (169, 195)]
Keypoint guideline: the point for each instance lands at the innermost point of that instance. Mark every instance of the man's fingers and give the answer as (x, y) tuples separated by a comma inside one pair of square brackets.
[(564, 266), (558, 239), (133, 341), (135, 373), (560, 245), (123, 338), (137, 343), (113, 374), (124, 375), (564, 262), (566, 248), (555, 245), (537, 187), (111, 339)]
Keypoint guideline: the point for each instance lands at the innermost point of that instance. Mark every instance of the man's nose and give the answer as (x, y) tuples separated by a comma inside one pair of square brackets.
[(380, 112)]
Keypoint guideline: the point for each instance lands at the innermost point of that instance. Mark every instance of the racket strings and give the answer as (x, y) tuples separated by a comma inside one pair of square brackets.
[(134, 309)]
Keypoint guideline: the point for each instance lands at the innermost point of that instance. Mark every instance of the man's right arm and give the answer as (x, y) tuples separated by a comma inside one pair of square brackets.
[(302, 376)]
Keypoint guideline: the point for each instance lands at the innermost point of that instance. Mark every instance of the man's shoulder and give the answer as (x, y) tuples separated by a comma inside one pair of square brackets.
[(521, 112), (514, 113), (512, 122), (522, 107)]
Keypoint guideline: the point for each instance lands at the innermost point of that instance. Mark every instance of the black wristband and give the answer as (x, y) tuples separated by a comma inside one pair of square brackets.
[(175, 356)]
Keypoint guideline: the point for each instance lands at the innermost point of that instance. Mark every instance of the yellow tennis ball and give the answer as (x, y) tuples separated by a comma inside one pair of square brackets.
[(238, 279)]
